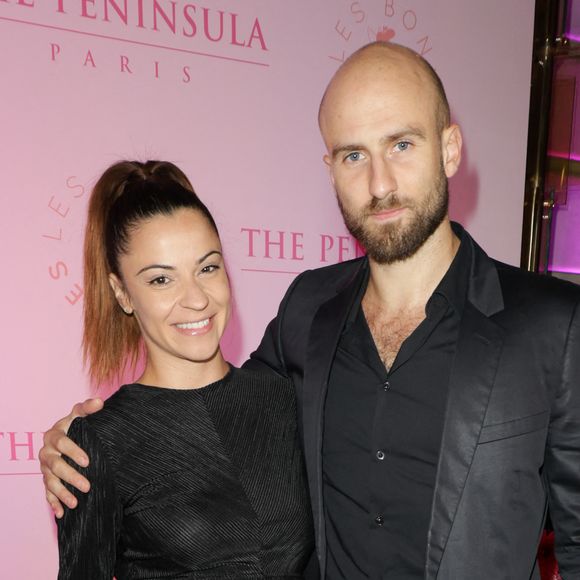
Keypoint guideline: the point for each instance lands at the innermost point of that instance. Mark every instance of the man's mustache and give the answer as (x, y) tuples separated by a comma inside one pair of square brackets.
[(392, 201)]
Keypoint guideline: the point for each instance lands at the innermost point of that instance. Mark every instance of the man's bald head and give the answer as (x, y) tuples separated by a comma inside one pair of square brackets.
[(382, 58), (390, 147)]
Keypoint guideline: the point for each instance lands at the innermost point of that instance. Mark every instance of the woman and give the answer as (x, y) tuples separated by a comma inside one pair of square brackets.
[(195, 468)]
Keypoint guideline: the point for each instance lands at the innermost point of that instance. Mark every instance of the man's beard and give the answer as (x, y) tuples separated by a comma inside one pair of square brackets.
[(394, 242)]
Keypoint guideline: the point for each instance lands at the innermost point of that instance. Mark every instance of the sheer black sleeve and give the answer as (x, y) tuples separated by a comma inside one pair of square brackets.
[(88, 535)]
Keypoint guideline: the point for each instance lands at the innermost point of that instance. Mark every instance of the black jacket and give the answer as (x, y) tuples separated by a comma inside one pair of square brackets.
[(511, 440)]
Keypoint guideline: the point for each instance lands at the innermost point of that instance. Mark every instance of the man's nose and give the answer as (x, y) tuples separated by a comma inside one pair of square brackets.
[(382, 180)]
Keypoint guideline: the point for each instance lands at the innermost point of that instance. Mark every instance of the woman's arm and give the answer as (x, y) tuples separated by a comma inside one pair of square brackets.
[(88, 536)]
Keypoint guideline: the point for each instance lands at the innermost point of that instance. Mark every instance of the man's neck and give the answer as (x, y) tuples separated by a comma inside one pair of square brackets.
[(408, 284)]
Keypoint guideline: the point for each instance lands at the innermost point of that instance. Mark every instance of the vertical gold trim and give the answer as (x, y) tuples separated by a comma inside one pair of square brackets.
[(549, 18)]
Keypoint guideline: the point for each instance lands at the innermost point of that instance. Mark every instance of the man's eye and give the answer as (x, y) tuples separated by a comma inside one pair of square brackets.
[(354, 156), (403, 146)]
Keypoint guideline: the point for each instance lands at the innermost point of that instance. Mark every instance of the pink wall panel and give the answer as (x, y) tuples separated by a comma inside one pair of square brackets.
[(81, 88)]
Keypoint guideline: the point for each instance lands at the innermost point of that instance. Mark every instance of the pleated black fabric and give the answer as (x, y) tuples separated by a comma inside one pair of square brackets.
[(194, 484)]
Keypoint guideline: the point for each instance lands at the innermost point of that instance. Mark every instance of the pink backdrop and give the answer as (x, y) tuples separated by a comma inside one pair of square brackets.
[(229, 91)]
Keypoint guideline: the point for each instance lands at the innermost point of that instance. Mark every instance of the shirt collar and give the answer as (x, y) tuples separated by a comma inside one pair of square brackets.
[(453, 286)]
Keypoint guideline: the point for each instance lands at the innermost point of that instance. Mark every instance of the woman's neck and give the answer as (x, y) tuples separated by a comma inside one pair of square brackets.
[(176, 373)]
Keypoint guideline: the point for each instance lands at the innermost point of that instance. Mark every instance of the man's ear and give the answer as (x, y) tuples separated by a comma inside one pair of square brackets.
[(120, 294), (328, 162), (451, 144)]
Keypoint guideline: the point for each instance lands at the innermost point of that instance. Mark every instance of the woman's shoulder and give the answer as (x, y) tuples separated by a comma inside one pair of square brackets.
[(258, 390), (253, 406), (261, 378), (120, 409)]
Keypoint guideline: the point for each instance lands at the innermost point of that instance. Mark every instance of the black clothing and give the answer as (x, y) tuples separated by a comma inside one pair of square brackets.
[(197, 484), (511, 444), (382, 434)]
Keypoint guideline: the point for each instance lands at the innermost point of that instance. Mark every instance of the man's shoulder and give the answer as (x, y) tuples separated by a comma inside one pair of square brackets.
[(333, 276), (518, 287), (314, 287), (522, 286)]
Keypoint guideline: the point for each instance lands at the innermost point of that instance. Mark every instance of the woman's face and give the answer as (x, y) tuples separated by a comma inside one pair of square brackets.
[(175, 283)]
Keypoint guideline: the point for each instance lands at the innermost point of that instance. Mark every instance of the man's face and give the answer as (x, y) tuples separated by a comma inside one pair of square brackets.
[(385, 153), (391, 240)]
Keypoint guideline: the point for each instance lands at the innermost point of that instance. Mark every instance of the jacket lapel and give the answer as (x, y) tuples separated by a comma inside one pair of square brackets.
[(470, 387), (472, 377), (323, 339)]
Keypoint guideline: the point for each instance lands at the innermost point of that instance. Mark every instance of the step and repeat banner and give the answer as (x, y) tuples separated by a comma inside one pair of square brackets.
[(229, 91)]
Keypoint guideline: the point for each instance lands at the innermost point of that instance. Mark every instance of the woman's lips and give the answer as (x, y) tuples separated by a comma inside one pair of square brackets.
[(194, 328)]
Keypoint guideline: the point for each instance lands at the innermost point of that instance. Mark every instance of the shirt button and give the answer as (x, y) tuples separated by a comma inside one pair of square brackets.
[(380, 455), (379, 520), (386, 386)]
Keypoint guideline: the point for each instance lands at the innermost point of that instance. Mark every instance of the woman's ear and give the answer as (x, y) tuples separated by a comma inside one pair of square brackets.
[(120, 294)]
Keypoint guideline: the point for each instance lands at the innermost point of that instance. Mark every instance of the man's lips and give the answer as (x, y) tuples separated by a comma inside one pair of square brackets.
[(387, 214)]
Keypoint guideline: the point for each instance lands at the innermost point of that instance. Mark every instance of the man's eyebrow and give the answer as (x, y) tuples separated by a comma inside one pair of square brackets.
[(410, 131), (336, 151)]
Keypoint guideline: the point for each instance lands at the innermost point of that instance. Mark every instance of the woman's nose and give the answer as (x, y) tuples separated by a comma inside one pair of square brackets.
[(194, 296)]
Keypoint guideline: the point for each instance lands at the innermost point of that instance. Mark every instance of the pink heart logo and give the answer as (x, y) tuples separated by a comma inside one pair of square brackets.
[(386, 34)]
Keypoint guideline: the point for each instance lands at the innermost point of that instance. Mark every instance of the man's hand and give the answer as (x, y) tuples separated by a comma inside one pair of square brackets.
[(54, 468)]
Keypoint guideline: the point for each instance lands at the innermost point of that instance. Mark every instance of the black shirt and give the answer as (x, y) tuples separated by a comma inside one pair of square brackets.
[(382, 434), (204, 484)]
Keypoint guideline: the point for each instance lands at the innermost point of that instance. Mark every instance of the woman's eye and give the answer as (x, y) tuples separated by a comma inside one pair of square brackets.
[(159, 281), (209, 268)]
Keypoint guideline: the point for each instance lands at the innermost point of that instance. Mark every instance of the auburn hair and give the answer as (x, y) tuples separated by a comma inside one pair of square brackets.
[(127, 193)]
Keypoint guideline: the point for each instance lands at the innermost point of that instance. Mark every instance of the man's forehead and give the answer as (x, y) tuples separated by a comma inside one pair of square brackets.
[(376, 100), (358, 100), (373, 82)]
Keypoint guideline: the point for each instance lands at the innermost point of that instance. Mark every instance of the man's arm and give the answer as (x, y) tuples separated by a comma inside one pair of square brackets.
[(269, 355), (54, 468), (562, 463)]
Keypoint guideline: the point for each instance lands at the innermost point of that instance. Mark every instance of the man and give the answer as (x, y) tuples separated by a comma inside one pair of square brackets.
[(438, 389)]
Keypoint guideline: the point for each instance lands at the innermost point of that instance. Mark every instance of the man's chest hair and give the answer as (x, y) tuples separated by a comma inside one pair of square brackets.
[(389, 331)]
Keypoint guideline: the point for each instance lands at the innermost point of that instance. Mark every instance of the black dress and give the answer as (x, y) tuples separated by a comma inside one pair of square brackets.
[(196, 484)]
